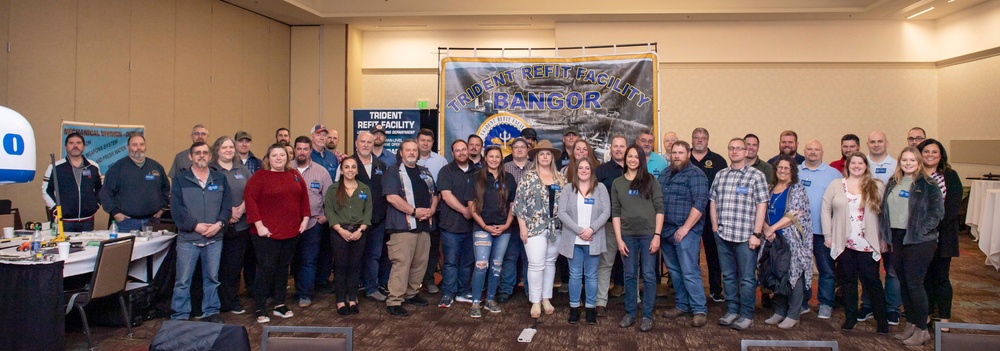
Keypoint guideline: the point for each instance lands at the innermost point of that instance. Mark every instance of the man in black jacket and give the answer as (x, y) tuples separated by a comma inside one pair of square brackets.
[(79, 185), (136, 188)]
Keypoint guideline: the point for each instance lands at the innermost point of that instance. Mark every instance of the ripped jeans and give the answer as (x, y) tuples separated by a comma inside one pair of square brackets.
[(489, 252)]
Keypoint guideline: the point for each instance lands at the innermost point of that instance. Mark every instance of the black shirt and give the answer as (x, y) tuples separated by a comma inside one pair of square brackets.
[(421, 196), (461, 184), (494, 212), (711, 164), (564, 160), (607, 172)]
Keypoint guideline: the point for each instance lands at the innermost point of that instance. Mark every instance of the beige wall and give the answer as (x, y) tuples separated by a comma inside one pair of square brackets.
[(165, 64), (319, 79), (969, 96), (974, 29)]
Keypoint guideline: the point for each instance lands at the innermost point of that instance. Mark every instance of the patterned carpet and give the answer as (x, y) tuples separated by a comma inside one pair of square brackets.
[(977, 300)]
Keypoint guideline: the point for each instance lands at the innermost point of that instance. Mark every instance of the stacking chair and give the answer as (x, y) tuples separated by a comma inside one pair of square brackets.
[(109, 278), (746, 344), (283, 343), (955, 340)]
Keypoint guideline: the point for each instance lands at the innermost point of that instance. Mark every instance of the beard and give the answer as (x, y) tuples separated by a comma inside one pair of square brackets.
[(138, 155), (379, 143), (700, 147), (301, 162), (678, 166), (788, 152)]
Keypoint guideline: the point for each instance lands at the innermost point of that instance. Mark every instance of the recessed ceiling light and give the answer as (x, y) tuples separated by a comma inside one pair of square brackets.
[(919, 13)]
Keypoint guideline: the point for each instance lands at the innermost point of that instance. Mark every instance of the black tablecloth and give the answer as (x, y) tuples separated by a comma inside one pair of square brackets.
[(33, 317)]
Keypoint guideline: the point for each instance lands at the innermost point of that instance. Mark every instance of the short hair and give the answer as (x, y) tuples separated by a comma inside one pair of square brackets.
[(135, 135), (75, 135), (456, 142), (302, 139), (791, 133), (700, 130), (751, 135), (740, 139), (281, 129), (853, 137), (197, 145), (519, 140), (645, 131), (475, 136), (619, 136), (924, 132), (682, 143), (196, 126), (425, 131)]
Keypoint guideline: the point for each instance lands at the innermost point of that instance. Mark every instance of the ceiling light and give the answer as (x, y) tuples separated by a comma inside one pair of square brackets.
[(505, 24), (919, 13), (397, 26)]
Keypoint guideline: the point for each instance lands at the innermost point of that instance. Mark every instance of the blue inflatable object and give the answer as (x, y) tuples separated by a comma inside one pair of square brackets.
[(17, 138)]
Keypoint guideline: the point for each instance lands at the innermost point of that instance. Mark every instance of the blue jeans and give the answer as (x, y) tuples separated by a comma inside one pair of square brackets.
[(305, 278), (739, 279), (456, 272), (372, 258), (583, 272), (893, 297), (827, 280), (638, 250), (131, 224), (489, 251), (188, 255), (515, 255), (685, 273), (78, 227)]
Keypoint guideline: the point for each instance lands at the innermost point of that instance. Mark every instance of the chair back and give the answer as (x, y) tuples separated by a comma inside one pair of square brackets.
[(746, 344), (111, 267), (957, 339), (282, 343)]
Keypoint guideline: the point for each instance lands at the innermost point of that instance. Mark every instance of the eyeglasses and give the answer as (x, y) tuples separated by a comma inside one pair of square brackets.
[(912, 139), (736, 148)]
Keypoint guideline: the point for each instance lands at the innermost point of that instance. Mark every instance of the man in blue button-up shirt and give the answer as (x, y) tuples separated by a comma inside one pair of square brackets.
[(816, 176), (685, 196)]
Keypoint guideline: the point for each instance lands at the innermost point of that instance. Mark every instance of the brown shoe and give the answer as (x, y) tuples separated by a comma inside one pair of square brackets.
[(699, 320), (918, 338), (602, 311), (617, 291), (674, 313), (907, 332), (662, 290)]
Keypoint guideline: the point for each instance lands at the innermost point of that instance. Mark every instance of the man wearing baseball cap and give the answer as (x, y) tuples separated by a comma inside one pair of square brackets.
[(570, 136), (243, 141), (378, 131), (326, 159), (531, 136)]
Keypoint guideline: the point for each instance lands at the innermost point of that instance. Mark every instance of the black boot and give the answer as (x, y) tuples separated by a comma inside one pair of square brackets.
[(574, 315), (591, 316)]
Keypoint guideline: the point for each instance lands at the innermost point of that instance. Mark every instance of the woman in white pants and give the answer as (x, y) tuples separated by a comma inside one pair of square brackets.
[(536, 208)]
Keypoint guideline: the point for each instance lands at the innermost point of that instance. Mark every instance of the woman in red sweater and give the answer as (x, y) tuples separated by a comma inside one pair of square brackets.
[(278, 207)]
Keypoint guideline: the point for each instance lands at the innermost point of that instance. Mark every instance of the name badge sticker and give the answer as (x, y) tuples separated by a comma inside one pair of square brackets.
[(314, 185), (880, 170), (588, 201), (904, 194), (85, 173), (555, 187), (363, 196), (806, 182), (742, 190), (238, 176), (212, 187), (633, 192), (150, 177), (378, 171)]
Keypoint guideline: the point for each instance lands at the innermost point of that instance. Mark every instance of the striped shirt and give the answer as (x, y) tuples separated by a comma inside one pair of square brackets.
[(736, 193)]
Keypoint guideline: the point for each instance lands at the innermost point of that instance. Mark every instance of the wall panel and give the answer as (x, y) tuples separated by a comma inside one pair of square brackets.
[(969, 96), (305, 76), (152, 87), (192, 70), (279, 54), (227, 67), (255, 56), (102, 61)]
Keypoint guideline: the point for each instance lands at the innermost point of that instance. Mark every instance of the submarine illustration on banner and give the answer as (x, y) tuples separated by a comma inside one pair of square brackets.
[(17, 159)]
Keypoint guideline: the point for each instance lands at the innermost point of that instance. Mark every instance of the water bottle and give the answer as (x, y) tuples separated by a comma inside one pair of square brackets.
[(36, 243), (114, 230)]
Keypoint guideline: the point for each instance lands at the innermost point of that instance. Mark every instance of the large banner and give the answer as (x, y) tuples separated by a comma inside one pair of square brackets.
[(497, 97), (106, 143), (399, 124)]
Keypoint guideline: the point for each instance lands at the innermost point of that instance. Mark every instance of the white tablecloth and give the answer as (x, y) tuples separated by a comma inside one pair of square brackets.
[(977, 199), (989, 228), (82, 262)]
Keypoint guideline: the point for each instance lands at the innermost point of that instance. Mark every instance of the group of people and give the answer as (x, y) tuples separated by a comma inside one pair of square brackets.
[(381, 222)]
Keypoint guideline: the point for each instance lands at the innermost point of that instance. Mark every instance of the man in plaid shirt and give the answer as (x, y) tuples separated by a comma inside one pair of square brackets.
[(738, 205)]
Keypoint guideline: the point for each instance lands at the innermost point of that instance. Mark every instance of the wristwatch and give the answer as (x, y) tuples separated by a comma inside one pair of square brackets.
[(758, 235), (414, 214)]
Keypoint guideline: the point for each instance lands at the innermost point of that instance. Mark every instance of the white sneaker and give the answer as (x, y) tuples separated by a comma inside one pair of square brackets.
[(775, 319), (824, 312)]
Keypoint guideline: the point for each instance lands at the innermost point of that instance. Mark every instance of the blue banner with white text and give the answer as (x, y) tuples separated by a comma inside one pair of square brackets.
[(105, 143), (497, 97), (399, 125)]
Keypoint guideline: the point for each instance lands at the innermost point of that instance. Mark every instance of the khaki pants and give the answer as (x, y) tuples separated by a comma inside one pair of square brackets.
[(408, 253), (604, 271)]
